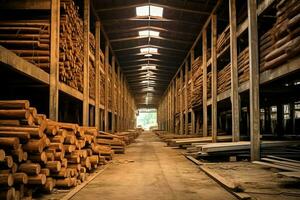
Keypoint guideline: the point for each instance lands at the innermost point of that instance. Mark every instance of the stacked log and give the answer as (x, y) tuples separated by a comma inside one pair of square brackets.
[(223, 40), (102, 88), (71, 46), (286, 33), (224, 79), (40, 154), (243, 66), (28, 39), (266, 43), (92, 69), (197, 80)]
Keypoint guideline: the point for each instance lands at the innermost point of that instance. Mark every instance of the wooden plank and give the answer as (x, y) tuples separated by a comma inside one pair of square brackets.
[(97, 82), (194, 160), (214, 108), (281, 158), (204, 68), (281, 162), (86, 29), (270, 165), (186, 118), (106, 60), (70, 91), (290, 174), (54, 60), (254, 81), (235, 107), (113, 90)]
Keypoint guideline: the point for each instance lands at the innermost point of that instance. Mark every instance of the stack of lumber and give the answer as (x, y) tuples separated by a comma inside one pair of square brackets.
[(190, 141), (29, 39), (128, 136), (243, 66), (223, 40), (38, 153), (92, 65), (286, 34), (102, 88), (282, 164), (266, 42), (110, 88), (177, 95), (197, 81), (209, 76), (71, 46), (224, 79), (116, 143)]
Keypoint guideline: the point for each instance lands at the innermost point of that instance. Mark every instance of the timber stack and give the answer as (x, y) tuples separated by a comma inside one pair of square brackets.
[(286, 34), (40, 154), (92, 66), (223, 40), (243, 66), (224, 79), (197, 81)]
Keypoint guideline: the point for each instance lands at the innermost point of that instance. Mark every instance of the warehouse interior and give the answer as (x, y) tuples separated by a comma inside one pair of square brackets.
[(149, 99)]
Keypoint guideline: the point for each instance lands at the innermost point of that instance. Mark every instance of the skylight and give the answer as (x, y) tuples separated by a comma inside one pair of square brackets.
[(155, 11), (148, 55), (148, 50), (145, 67), (149, 33)]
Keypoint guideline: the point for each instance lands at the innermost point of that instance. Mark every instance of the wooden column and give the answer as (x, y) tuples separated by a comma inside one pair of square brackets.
[(86, 51), (192, 91), (118, 99), (97, 64), (106, 66), (186, 109), (214, 77), (181, 102), (113, 77), (204, 68), (235, 106), (254, 81), (54, 60)]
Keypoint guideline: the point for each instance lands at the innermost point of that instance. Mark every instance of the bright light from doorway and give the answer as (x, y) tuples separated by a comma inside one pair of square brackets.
[(148, 50), (146, 67), (155, 11), (148, 33)]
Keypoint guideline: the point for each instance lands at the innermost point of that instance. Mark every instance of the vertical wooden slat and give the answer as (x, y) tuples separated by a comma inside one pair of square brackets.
[(54, 60), (192, 91), (204, 68), (86, 51), (113, 90), (186, 120), (214, 77), (181, 102), (254, 81), (118, 99), (106, 66), (235, 107), (97, 71)]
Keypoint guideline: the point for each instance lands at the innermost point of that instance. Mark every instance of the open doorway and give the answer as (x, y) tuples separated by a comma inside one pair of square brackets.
[(147, 118)]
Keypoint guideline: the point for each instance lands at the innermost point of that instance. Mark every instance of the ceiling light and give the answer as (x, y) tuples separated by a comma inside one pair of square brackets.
[(149, 33), (148, 50), (147, 81), (145, 67), (148, 55), (155, 11)]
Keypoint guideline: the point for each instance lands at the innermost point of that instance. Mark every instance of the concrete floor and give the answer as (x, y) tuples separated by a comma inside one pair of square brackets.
[(149, 170)]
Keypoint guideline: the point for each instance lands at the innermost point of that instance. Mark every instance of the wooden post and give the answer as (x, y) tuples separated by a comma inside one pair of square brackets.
[(118, 99), (192, 91), (106, 66), (54, 60), (97, 64), (186, 120), (113, 90), (181, 102), (214, 77), (86, 51), (254, 81), (204, 82), (235, 106)]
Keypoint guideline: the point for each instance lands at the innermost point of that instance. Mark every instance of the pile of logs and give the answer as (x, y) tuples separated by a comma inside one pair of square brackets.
[(224, 79), (286, 33), (71, 46), (266, 42), (92, 66), (243, 66), (197, 80), (40, 154), (28, 39), (223, 40)]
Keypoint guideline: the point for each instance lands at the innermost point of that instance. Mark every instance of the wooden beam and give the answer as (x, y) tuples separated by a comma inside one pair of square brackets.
[(27, 5), (152, 37), (118, 99), (106, 66), (86, 51), (54, 60), (154, 46), (192, 91), (204, 81), (214, 71), (235, 106), (186, 120), (181, 102), (254, 81), (97, 64), (113, 90)]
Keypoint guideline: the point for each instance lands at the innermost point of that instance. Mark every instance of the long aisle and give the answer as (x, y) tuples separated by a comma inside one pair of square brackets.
[(149, 170)]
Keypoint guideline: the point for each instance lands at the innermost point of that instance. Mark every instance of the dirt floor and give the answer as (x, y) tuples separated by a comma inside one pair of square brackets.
[(150, 170), (259, 182)]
